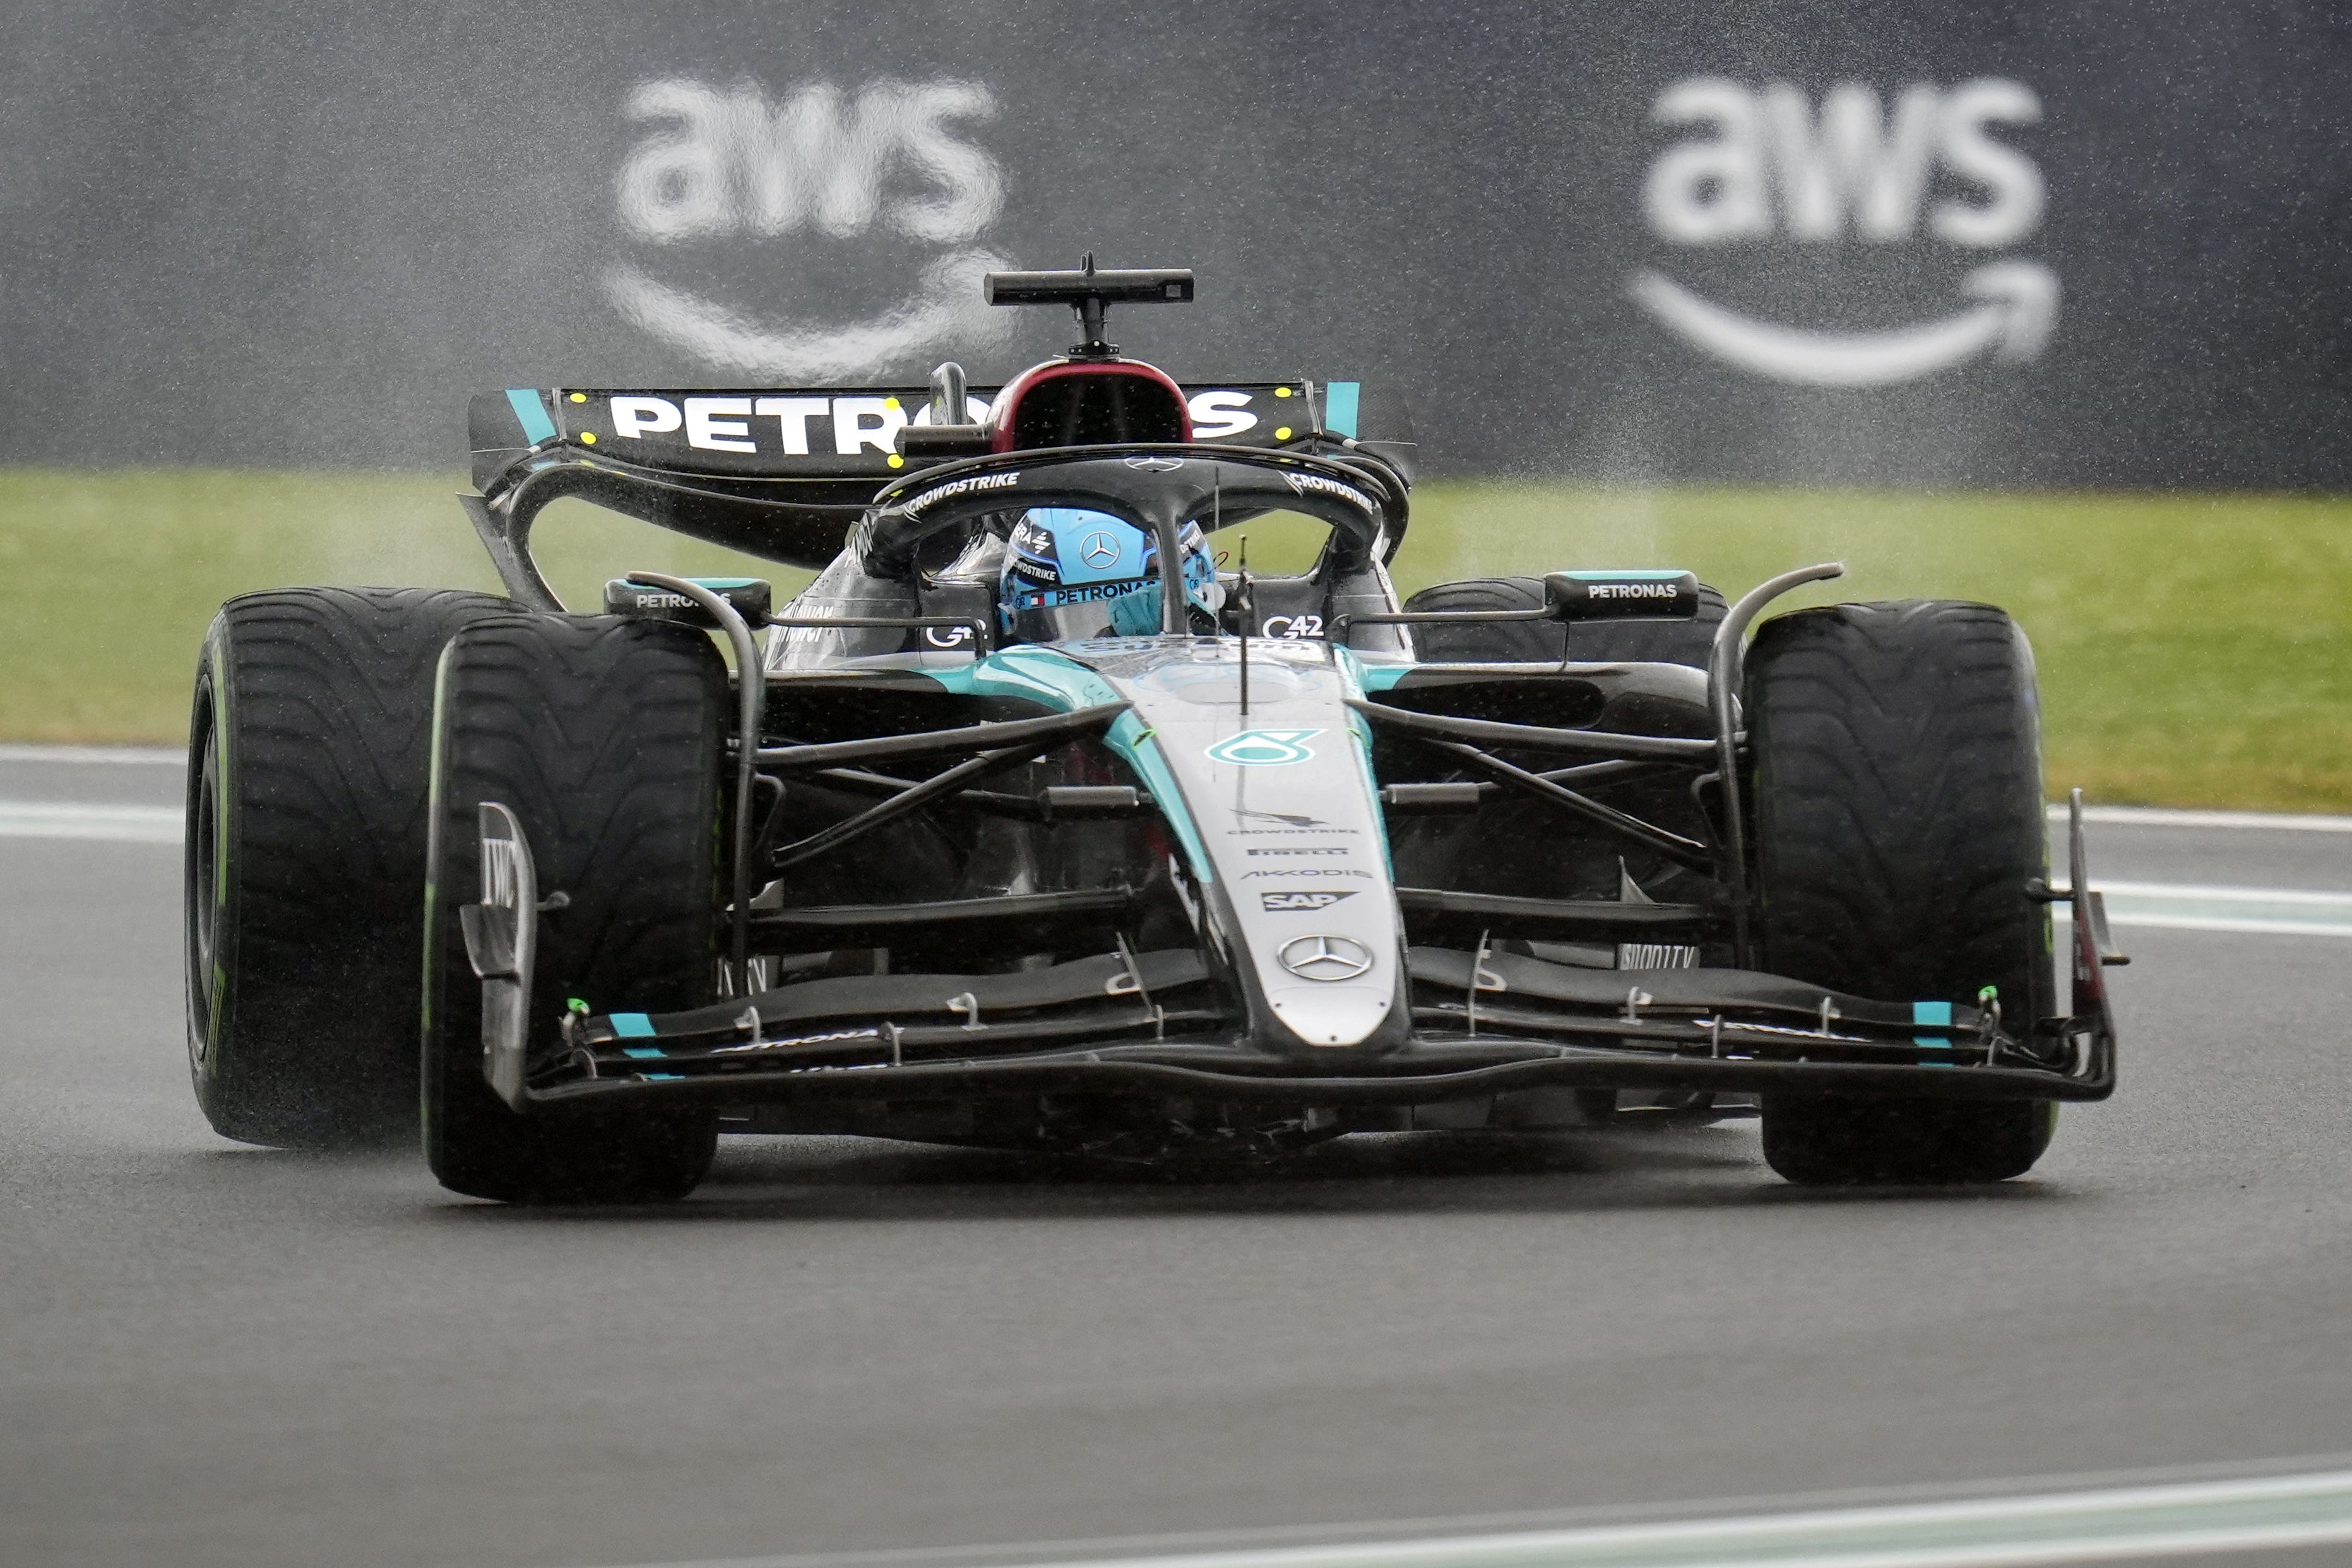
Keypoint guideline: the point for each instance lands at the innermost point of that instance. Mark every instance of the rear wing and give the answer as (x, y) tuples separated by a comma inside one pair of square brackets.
[(782, 473), (846, 433)]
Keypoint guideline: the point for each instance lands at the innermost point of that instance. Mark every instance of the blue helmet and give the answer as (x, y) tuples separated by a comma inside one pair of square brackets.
[(1071, 573)]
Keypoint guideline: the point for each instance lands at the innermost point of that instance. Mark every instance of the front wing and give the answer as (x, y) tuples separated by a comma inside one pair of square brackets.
[(1150, 1025), (1158, 1024)]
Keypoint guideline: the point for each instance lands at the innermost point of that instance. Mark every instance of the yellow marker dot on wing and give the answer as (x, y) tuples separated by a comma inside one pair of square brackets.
[(895, 462), (579, 397), (1282, 392), (889, 403), (589, 437), (1282, 433)]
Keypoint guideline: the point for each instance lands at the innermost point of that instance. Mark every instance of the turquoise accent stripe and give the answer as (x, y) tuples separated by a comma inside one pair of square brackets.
[(1129, 739), (633, 1026), (1932, 1012), (1057, 681), (1643, 574), (1363, 734), (1339, 407), (1351, 681), (536, 425), (643, 1051)]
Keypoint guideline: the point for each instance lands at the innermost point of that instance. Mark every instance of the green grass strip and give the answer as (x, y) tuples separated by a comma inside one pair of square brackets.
[(2194, 650)]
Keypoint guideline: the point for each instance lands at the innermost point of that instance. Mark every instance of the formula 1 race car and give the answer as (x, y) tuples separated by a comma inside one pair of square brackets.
[(1036, 820)]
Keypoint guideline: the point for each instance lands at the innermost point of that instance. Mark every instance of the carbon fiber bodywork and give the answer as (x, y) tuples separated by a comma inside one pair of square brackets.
[(1237, 882), (1150, 894)]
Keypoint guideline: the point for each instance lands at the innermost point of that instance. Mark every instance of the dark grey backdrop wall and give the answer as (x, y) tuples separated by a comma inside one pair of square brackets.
[(2073, 243)]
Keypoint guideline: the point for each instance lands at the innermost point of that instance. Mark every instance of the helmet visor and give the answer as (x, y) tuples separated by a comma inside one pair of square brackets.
[(1072, 575)]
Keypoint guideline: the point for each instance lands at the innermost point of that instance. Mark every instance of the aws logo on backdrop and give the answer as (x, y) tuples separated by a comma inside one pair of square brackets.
[(1926, 167), (889, 176)]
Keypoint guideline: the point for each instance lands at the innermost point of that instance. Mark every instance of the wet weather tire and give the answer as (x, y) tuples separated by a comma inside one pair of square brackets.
[(305, 860), (1896, 790), (605, 738)]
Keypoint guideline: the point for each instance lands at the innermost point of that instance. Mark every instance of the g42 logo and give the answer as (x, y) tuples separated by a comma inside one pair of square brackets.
[(1857, 170), (822, 164), (1293, 628)]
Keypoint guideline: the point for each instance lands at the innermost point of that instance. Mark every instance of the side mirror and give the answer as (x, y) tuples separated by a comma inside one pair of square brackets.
[(1621, 595), (749, 596)]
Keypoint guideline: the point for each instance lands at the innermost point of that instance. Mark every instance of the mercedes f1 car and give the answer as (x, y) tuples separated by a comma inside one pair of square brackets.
[(1037, 820)]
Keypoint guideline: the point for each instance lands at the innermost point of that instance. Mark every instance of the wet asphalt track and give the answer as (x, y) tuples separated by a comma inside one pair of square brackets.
[(211, 1355)]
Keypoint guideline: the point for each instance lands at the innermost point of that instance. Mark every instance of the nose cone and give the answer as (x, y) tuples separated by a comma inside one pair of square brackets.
[(1332, 1015), (1281, 799), (1319, 989)]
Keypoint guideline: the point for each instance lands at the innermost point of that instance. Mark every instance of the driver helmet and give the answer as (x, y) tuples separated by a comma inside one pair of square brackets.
[(1071, 573)]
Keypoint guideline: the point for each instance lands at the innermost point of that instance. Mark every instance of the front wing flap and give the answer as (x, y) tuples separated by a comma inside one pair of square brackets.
[(1155, 1023)]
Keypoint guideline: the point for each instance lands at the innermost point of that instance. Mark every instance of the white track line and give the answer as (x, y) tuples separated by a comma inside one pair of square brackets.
[(2168, 906), (140, 756), (2101, 1525), (2187, 906), (2222, 894), (104, 824), (2122, 816), (2170, 816)]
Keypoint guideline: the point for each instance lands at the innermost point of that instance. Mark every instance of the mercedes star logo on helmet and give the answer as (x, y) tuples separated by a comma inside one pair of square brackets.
[(1100, 550), (1325, 957), (1155, 465)]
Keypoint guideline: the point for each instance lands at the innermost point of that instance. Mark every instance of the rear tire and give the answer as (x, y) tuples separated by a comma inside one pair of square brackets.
[(305, 860), (1897, 787), (605, 738)]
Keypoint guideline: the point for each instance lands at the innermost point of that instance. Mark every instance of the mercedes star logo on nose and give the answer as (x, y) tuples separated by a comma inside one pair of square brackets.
[(1325, 957), (1155, 465), (1100, 550)]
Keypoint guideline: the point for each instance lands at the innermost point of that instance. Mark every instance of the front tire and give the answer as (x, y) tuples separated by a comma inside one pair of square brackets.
[(305, 860), (605, 738), (1897, 795)]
